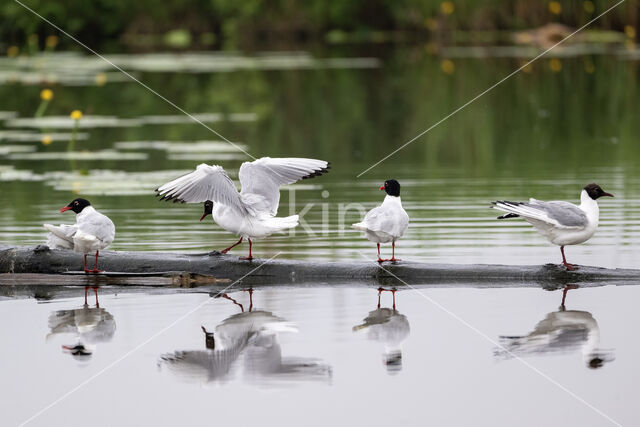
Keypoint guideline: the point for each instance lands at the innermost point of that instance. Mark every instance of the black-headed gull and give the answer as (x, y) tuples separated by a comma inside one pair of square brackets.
[(561, 331), (562, 223), (250, 213), (387, 222), (90, 325), (93, 231), (388, 327), (245, 343)]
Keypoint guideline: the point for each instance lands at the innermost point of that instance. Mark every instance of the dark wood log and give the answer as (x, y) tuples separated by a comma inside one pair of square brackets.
[(149, 267)]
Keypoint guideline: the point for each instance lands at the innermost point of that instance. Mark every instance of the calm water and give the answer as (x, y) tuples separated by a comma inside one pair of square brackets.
[(317, 355), (541, 134), (323, 356)]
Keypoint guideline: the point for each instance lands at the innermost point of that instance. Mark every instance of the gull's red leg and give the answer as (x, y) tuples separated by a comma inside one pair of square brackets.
[(86, 288), (225, 296), (95, 290), (379, 293), (224, 251), (95, 266), (250, 257), (393, 252), (250, 299), (570, 267), (564, 294), (379, 259), (86, 270), (393, 292)]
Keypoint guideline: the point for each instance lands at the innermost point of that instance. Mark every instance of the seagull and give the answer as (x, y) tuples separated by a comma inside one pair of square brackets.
[(92, 231), (561, 331), (388, 327), (387, 222), (246, 343), (250, 213), (90, 325), (562, 223)]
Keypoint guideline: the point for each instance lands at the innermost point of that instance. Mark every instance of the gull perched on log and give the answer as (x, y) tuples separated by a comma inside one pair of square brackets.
[(250, 213), (562, 223)]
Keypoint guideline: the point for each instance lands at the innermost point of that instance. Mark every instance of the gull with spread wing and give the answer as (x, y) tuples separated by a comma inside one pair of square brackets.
[(562, 223), (250, 213)]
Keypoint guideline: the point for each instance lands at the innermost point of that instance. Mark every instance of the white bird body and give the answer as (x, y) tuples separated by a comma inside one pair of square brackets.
[(250, 213), (92, 232), (385, 223), (250, 226), (95, 231)]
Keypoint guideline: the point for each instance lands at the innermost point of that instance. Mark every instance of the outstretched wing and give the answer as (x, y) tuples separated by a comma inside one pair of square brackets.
[(262, 178), (558, 214), (205, 183)]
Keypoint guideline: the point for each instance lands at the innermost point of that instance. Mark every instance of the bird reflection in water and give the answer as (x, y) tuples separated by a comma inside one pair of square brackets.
[(561, 331), (245, 344), (90, 325), (389, 327)]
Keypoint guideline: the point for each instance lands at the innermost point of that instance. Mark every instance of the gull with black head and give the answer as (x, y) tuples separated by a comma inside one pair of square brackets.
[(562, 223), (250, 213), (92, 231), (387, 222)]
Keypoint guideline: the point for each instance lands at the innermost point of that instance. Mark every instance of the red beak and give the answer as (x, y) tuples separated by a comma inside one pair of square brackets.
[(382, 187), (64, 209), (203, 217), (607, 194)]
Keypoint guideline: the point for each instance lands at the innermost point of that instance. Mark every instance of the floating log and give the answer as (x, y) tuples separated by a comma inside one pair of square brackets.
[(162, 269)]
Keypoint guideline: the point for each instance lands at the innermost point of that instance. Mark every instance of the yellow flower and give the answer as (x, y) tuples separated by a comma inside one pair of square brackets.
[(76, 114), (555, 65), (13, 51), (101, 79), (32, 39), (447, 66), (526, 66), (588, 6), (46, 139), (46, 94), (51, 41), (630, 31), (447, 7), (555, 7)]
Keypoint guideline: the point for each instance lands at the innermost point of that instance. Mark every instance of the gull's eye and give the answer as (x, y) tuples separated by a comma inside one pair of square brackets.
[(75, 203)]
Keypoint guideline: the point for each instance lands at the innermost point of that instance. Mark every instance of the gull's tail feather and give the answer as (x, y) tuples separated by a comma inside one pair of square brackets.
[(360, 226), (279, 224), (60, 237)]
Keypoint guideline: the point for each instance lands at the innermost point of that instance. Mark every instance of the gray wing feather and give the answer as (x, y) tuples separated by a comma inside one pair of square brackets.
[(565, 213)]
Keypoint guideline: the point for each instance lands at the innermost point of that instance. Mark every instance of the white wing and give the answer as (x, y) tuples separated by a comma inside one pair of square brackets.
[(205, 183), (98, 225), (262, 178)]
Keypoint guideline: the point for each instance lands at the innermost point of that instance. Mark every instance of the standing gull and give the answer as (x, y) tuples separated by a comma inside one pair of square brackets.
[(562, 223), (92, 232), (250, 213), (387, 222)]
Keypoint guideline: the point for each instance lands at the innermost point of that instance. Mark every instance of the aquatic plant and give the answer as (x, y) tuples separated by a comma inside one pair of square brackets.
[(76, 115), (46, 95)]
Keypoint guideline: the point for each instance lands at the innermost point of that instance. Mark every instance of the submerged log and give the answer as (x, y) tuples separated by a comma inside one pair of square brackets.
[(43, 260)]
